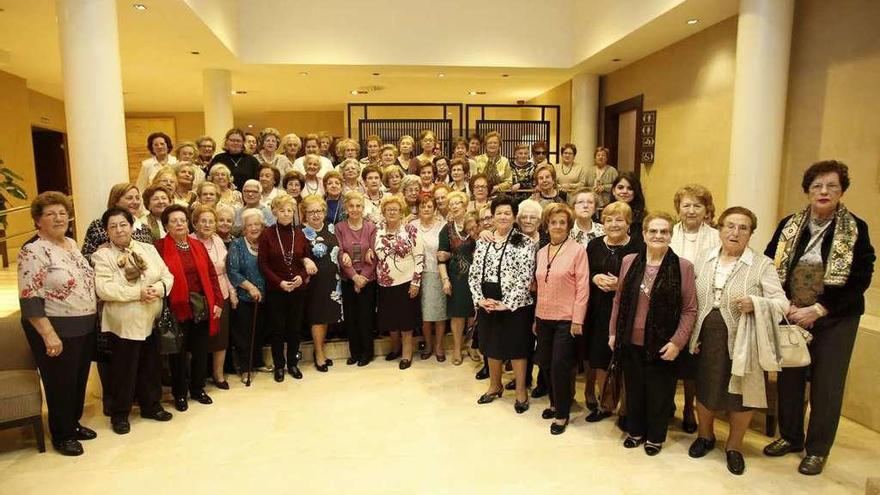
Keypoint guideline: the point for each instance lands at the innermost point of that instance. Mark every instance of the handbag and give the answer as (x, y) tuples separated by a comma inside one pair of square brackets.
[(167, 331), (198, 303), (609, 396), (794, 345)]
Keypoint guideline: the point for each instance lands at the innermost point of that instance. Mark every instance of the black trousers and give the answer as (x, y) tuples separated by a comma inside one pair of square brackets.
[(830, 352), (360, 315), (195, 343), (650, 394), (105, 374), (64, 378), (557, 354), (135, 371), (240, 334), (285, 319)]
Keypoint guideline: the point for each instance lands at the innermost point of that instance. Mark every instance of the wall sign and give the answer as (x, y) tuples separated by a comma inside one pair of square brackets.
[(649, 136)]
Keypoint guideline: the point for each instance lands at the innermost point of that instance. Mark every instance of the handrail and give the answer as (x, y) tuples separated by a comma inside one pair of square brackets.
[(17, 208), (13, 236)]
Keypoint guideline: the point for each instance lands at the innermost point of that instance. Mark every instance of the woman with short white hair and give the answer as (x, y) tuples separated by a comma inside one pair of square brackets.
[(250, 286)]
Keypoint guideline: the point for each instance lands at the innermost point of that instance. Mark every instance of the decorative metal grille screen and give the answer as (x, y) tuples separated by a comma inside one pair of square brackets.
[(390, 130)]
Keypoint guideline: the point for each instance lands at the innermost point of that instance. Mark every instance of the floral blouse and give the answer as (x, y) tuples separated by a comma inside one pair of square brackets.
[(584, 237), (514, 263), (56, 282), (400, 255)]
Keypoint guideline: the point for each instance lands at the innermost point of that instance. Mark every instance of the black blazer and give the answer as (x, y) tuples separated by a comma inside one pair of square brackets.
[(849, 299)]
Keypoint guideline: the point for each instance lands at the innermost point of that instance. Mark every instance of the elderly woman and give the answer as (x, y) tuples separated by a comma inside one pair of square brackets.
[(522, 172), (458, 173), (441, 191), (433, 299), (584, 230), (334, 205), (405, 148), (374, 147), (628, 188), (601, 177), (400, 260), (56, 291), (825, 261), (605, 255), (284, 260), (480, 190), (167, 178), (290, 146), (373, 194), (205, 147), (312, 183), (691, 236), (311, 146), (196, 301), (562, 280), (427, 143), (357, 236), (186, 176), (412, 189), (392, 178), (348, 149), (240, 165), (126, 196), (569, 174), (269, 178), (528, 219), (655, 306), (427, 175), (388, 159), (460, 151), (292, 183), (351, 176), (323, 297), (156, 199), (267, 146), (493, 164), (250, 287), (733, 284), (222, 178), (546, 190), (441, 166), (225, 223), (159, 145), (499, 280), (188, 152), (131, 280), (204, 220), (250, 143), (207, 194), (455, 251), (250, 194)]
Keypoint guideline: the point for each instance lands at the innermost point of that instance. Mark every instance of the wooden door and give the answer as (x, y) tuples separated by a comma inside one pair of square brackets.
[(136, 131)]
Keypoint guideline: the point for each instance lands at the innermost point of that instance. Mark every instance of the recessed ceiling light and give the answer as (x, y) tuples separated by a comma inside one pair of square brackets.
[(250, 126), (239, 92), (692, 21), (139, 6), (303, 73), (359, 92), (615, 60), (505, 75), (441, 75), (194, 52), (376, 74)]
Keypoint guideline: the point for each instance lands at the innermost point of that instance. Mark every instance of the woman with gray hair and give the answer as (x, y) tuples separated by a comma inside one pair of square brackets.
[(250, 286), (267, 150), (411, 188), (251, 195), (290, 146)]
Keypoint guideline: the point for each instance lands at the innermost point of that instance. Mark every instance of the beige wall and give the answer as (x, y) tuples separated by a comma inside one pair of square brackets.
[(690, 84), (560, 95), (46, 112)]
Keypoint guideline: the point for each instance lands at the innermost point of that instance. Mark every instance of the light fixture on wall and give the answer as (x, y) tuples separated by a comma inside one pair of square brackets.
[(476, 93), (239, 92), (195, 52), (615, 60), (505, 75), (691, 22), (441, 75), (376, 74), (139, 6), (303, 73), (359, 92)]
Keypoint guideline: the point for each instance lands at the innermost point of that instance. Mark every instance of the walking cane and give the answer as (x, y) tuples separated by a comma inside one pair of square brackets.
[(247, 383)]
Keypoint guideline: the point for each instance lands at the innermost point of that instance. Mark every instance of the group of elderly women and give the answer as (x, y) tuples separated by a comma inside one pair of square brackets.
[(552, 264)]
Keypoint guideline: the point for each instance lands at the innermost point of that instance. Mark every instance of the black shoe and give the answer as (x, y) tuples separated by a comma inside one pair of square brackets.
[(521, 407), (539, 392), (780, 447), (69, 447), (363, 362), (323, 368), (558, 429), (391, 356), (351, 361), (421, 345), (631, 442), (425, 354), (295, 372), (482, 374), (120, 426), (735, 462), (279, 375), (548, 413), (701, 446), (621, 423), (83, 433), (404, 364), (812, 465), (328, 362), (160, 415), (689, 427), (592, 406), (201, 397), (653, 449), (224, 385), (180, 404), (489, 397), (511, 385), (597, 415)]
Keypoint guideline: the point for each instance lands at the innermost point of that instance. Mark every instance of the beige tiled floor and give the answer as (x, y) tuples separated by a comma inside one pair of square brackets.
[(381, 430)]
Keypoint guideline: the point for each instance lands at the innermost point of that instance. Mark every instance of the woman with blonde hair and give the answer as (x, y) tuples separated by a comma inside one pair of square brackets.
[(427, 142), (405, 147), (455, 251), (185, 179), (222, 177)]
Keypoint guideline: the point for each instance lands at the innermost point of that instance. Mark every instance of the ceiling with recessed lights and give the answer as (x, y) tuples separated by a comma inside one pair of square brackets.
[(292, 55)]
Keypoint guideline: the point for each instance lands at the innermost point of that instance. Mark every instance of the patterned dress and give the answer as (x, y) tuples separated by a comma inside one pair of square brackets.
[(324, 296), (461, 246)]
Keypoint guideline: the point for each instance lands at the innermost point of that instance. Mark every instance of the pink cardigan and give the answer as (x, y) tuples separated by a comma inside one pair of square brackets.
[(563, 295)]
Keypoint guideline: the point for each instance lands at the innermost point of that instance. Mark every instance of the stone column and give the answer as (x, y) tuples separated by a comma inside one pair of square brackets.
[(584, 114), (217, 102)]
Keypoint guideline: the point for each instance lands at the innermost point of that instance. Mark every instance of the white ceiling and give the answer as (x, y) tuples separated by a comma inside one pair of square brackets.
[(267, 44)]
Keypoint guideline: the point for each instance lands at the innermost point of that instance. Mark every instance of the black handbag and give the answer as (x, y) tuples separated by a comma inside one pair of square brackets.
[(198, 303), (167, 331)]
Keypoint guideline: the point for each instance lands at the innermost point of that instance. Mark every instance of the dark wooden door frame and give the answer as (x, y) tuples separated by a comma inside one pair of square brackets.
[(611, 120)]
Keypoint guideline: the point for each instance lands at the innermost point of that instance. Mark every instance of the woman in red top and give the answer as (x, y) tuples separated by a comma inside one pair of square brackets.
[(196, 302)]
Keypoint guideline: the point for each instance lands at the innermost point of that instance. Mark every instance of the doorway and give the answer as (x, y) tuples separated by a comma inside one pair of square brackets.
[(50, 160), (622, 134)]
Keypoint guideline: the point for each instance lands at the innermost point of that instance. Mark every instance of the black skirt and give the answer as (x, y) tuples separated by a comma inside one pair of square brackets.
[(713, 367), (396, 310), (506, 334)]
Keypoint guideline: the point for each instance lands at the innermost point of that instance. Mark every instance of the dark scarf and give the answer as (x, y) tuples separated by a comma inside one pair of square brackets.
[(664, 310)]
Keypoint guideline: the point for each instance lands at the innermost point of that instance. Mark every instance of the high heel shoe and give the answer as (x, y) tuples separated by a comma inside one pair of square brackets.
[(521, 407), (558, 429), (321, 367), (489, 397)]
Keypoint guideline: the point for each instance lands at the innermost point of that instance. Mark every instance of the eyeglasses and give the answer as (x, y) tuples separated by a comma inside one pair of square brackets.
[(660, 232), (480, 186), (833, 187), (315, 212), (539, 152), (582, 203), (251, 191)]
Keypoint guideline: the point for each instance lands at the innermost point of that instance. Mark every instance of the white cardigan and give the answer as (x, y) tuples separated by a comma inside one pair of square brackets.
[(124, 314)]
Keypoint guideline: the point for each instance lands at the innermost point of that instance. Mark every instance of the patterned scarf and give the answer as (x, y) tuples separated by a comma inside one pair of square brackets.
[(840, 258)]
